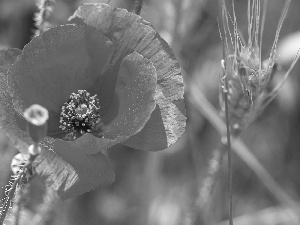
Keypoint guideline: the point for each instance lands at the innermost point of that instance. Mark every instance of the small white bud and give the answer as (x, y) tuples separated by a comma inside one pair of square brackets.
[(34, 150), (36, 114), (17, 163), (36, 117)]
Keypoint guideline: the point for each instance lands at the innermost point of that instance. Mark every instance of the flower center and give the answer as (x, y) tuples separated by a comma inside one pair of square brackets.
[(80, 114)]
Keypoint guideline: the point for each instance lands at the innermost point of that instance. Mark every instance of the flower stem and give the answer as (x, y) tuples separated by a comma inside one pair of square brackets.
[(18, 202), (138, 6)]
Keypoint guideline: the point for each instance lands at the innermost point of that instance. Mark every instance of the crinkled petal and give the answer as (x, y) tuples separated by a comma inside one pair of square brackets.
[(71, 175), (8, 114), (129, 32), (86, 144), (135, 93), (63, 60)]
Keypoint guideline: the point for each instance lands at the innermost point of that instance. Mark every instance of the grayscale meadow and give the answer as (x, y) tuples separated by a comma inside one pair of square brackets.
[(149, 112)]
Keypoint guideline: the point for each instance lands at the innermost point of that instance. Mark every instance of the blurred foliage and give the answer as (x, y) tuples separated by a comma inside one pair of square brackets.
[(162, 188)]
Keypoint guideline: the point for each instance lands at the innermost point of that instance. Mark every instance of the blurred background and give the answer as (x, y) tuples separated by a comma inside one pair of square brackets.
[(166, 188)]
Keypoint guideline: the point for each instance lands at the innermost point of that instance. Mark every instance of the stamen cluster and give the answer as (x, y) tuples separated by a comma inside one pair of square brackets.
[(80, 114)]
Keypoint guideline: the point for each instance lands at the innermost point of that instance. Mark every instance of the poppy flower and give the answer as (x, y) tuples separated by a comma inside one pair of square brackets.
[(105, 78)]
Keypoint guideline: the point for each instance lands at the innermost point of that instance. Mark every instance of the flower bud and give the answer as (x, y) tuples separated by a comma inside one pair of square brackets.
[(36, 117)]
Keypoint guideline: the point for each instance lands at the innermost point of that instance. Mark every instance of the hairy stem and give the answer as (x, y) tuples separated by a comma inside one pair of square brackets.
[(8, 199), (17, 183)]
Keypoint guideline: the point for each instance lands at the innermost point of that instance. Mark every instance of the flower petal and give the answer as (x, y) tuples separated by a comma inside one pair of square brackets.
[(86, 144), (71, 175), (163, 129), (7, 58), (129, 32), (135, 93), (152, 137), (63, 60), (9, 116)]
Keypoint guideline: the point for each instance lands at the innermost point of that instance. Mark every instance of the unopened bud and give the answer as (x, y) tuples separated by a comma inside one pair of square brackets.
[(36, 117)]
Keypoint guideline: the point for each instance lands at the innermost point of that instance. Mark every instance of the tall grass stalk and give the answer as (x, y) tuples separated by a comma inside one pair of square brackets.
[(246, 77), (199, 101), (228, 143)]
